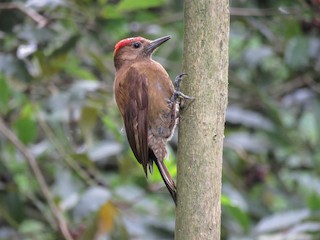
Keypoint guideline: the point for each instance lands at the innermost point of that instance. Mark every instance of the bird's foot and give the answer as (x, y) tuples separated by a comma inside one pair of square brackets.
[(177, 81), (178, 95)]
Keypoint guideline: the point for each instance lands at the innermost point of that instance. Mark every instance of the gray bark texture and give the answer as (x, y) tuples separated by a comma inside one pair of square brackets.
[(201, 128)]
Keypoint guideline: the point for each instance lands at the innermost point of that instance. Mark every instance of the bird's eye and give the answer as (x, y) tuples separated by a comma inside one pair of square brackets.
[(136, 44)]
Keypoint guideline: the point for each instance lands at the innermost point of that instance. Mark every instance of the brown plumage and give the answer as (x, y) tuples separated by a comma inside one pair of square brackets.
[(145, 96)]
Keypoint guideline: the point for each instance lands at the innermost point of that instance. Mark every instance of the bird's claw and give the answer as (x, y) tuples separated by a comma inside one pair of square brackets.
[(177, 81), (177, 93)]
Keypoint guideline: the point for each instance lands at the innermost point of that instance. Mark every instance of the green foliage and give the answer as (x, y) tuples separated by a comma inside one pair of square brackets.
[(273, 96), (296, 53), (4, 94), (314, 202), (127, 5), (236, 212), (56, 95)]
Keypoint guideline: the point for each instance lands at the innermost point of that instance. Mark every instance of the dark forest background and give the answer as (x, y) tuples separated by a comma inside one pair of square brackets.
[(58, 113)]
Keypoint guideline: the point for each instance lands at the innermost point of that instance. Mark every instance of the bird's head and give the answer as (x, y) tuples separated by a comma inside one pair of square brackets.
[(135, 48)]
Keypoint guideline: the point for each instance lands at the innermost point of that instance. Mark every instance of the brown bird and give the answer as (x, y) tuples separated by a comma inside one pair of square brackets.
[(148, 102)]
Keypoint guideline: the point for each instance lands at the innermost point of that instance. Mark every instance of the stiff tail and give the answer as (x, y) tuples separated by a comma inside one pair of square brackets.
[(167, 179)]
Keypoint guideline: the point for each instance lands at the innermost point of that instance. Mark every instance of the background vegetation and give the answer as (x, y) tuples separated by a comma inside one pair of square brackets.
[(56, 107)]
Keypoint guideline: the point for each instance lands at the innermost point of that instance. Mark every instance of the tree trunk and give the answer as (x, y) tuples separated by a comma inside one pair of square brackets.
[(201, 129)]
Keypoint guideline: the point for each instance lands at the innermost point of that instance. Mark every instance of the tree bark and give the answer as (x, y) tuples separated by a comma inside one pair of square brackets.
[(201, 128)]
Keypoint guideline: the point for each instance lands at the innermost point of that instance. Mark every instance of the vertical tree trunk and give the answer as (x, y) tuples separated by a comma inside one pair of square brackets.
[(201, 129)]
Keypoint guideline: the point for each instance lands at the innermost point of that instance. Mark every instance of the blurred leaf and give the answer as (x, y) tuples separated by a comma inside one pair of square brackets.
[(103, 151), (296, 53), (251, 119), (66, 46), (26, 129), (4, 94), (110, 12), (13, 204), (130, 192), (305, 228), (106, 219), (225, 200), (91, 201), (49, 67), (289, 28), (66, 188), (308, 128), (26, 50), (314, 47), (239, 215), (314, 202), (31, 226), (87, 122), (28, 111), (248, 142), (282, 220), (25, 185), (112, 126), (13, 67), (128, 5), (73, 67), (105, 223), (30, 33), (274, 67), (255, 55), (45, 3), (83, 160)]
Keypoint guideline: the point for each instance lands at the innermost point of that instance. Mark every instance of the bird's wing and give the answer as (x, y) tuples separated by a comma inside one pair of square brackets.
[(136, 116)]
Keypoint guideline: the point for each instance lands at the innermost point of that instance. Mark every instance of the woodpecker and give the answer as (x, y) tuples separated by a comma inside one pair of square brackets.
[(148, 102)]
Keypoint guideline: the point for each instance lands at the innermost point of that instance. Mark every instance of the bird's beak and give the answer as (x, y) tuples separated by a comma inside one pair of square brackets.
[(153, 45)]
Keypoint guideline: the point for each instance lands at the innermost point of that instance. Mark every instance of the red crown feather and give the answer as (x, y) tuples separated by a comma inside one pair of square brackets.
[(125, 42)]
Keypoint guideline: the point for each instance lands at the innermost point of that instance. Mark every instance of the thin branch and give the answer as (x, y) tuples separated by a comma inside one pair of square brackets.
[(309, 81), (291, 85), (34, 15), (61, 222)]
